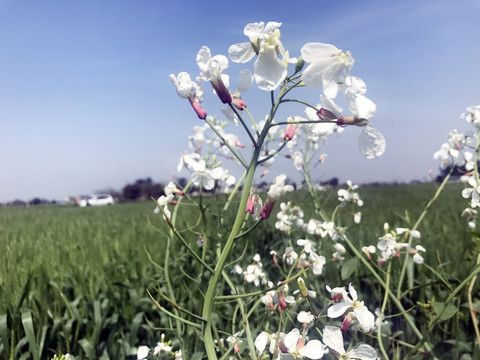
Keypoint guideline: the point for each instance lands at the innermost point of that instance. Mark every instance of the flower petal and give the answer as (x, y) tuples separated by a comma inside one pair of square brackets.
[(333, 338), (270, 71), (245, 81), (371, 142), (338, 309), (241, 52), (314, 349), (363, 352)]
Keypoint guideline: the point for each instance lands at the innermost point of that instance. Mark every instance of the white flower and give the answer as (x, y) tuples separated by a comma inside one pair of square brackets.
[(417, 258), (356, 309), (389, 246), (472, 115), (338, 255), (316, 263), (298, 349), (305, 317), (171, 188), (358, 103), (142, 352), (162, 346), (333, 338), (211, 69), (290, 256), (270, 71), (371, 142), (308, 245), (254, 272), (187, 89), (278, 188), (163, 201), (327, 65), (245, 80), (261, 341)]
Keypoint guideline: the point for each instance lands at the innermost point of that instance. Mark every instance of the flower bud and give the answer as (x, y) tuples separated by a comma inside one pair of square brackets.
[(250, 204), (282, 304), (201, 113), (299, 65), (239, 103), (289, 132), (325, 114), (346, 322), (267, 208), (302, 287), (222, 92)]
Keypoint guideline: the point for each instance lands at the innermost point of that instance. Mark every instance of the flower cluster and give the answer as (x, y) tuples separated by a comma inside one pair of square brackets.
[(390, 245), (459, 157), (162, 347), (288, 216)]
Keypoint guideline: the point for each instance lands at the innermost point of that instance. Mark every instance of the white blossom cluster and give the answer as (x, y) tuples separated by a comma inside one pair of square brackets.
[(460, 153)]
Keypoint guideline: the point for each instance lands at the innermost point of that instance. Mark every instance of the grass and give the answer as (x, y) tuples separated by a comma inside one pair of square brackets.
[(75, 279)]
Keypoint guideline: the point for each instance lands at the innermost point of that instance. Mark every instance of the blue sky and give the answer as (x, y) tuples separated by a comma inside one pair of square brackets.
[(86, 102)]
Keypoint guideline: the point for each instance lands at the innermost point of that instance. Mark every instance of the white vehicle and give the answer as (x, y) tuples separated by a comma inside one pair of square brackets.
[(96, 200)]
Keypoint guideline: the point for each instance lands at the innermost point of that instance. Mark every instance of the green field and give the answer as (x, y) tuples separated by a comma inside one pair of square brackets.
[(74, 280)]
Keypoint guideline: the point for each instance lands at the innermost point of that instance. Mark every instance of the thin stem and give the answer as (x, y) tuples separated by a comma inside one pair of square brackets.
[(184, 242), (393, 298), (259, 162), (452, 295), (210, 294), (473, 312), (254, 124), (382, 311), (417, 224), (176, 317), (301, 102), (234, 152), (243, 124)]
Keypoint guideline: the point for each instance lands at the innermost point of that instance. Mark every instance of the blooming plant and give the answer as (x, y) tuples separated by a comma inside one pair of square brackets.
[(242, 297)]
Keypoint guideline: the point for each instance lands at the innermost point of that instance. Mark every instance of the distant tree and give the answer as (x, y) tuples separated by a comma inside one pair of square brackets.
[(17, 203), (182, 182), (37, 201), (132, 192), (143, 189)]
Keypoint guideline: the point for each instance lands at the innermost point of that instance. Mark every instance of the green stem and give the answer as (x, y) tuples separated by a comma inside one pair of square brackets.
[(233, 151), (210, 294), (438, 317), (382, 311), (417, 224), (393, 298)]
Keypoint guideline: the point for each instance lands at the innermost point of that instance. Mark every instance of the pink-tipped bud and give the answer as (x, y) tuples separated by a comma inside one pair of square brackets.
[(289, 132), (239, 103), (267, 208), (346, 322), (325, 114), (250, 204), (282, 304), (222, 92), (201, 113)]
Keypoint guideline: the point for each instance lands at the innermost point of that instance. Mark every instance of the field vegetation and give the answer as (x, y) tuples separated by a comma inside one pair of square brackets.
[(75, 280)]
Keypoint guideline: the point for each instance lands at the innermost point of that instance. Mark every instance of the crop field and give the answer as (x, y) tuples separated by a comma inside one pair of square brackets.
[(75, 280)]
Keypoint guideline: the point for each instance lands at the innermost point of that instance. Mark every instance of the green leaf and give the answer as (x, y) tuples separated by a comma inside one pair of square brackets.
[(446, 314), (27, 322), (349, 268)]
